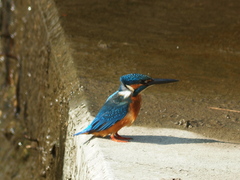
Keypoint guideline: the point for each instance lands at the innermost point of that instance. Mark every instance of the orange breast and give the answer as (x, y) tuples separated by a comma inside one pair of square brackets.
[(126, 121), (134, 108)]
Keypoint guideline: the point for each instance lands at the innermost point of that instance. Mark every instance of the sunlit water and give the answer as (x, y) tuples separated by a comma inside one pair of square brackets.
[(193, 41)]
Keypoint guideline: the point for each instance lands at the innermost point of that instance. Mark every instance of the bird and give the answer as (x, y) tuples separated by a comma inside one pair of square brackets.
[(122, 107)]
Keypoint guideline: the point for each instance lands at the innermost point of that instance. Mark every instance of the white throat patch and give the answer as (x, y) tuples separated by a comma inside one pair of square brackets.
[(130, 88), (125, 93)]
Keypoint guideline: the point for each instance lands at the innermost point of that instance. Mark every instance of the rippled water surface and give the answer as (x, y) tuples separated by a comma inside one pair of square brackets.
[(193, 41)]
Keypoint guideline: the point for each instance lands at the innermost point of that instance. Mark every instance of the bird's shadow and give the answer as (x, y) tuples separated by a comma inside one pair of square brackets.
[(165, 140), (168, 140)]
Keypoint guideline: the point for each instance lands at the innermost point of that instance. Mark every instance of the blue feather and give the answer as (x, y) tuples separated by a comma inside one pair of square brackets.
[(134, 78), (83, 131), (114, 109)]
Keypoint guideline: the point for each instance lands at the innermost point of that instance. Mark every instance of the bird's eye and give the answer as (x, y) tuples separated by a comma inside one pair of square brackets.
[(145, 81)]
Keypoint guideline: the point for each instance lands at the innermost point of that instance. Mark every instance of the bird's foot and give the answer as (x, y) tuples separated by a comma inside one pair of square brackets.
[(120, 137), (117, 138), (114, 138)]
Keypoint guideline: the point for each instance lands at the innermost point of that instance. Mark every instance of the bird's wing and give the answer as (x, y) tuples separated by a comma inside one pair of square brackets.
[(115, 109)]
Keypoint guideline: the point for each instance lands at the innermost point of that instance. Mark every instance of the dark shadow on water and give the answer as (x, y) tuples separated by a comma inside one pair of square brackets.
[(167, 140)]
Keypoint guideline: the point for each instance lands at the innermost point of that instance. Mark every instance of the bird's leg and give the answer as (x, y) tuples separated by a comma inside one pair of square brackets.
[(115, 139), (120, 137)]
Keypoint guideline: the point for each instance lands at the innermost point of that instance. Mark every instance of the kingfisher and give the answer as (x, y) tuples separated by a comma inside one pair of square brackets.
[(122, 107)]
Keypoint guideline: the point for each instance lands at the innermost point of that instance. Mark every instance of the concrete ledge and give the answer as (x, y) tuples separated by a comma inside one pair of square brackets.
[(153, 153), (83, 161), (164, 154)]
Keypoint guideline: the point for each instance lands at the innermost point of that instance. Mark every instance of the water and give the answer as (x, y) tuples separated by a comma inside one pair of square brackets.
[(193, 41)]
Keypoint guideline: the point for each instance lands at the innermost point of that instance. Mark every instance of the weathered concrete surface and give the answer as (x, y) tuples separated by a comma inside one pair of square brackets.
[(43, 78), (83, 162)]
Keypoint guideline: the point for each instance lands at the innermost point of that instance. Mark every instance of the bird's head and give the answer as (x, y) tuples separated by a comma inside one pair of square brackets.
[(138, 82)]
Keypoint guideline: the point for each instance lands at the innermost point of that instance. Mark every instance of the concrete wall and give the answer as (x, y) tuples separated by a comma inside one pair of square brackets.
[(46, 80), (49, 97)]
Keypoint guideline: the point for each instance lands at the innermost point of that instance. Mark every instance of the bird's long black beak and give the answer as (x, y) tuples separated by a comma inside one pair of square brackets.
[(161, 81)]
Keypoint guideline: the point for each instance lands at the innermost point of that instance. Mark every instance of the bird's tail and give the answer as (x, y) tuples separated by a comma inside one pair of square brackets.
[(85, 131), (78, 133)]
